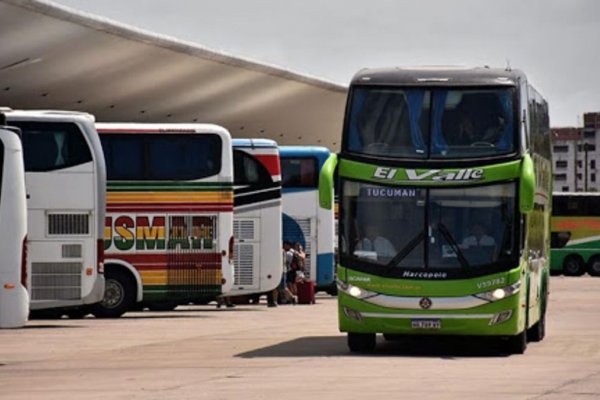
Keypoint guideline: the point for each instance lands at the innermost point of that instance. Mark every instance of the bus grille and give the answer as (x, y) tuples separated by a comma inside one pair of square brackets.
[(68, 224), (56, 281), (71, 251), (244, 260), (244, 232)]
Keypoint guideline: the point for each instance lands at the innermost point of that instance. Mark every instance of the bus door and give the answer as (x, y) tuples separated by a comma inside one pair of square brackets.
[(246, 232)]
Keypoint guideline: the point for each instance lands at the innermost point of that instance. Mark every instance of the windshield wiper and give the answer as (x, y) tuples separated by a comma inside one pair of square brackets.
[(448, 237), (406, 250)]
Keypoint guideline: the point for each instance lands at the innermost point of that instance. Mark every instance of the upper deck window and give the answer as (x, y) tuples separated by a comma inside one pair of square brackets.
[(426, 123), (161, 157), (48, 146)]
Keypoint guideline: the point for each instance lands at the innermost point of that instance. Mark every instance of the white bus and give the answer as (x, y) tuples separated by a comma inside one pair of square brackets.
[(169, 223), (65, 180), (304, 220), (14, 300), (257, 216)]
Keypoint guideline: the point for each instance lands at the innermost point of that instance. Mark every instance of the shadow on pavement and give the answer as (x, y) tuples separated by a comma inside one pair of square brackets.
[(312, 346), (434, 347), (47, 326)]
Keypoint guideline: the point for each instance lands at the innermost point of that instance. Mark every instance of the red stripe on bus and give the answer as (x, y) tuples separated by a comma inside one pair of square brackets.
[(271, 163), (168, 207)]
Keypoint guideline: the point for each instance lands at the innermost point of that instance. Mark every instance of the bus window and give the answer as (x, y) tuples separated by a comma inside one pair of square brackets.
[(249, 171), (299, 172), (389, 122), (426, 123), (158, 157), (183, 157), (51, 146)]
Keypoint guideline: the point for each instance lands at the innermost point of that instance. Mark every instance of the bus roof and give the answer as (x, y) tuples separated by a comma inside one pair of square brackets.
[(319, 152), (134, 128), (576, 194), (437, 76), (47, 114), (253, 143)]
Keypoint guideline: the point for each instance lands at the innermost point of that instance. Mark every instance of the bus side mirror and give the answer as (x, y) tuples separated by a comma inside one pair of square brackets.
[(527, 185), (326, 182)]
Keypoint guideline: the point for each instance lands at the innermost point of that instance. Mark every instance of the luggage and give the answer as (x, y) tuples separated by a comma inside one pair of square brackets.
[(306, 292)]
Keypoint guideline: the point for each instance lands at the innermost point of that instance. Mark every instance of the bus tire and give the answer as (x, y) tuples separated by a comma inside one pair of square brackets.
[(573, 266), (361, 342), (119, 295), (594, 266), (538, 331), (516, 344)]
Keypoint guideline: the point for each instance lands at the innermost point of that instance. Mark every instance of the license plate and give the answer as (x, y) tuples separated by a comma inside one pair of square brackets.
[(426, 324)]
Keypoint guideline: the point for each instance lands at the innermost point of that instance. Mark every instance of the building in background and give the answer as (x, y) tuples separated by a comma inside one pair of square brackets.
[(576, 156)]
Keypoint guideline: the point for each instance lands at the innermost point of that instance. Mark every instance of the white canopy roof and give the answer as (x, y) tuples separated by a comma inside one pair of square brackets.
[(54, 57)]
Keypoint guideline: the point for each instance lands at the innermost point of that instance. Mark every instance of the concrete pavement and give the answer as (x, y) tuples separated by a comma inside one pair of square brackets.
[(294, 352)]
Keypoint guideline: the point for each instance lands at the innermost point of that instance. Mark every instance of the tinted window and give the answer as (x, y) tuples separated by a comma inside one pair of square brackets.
[(387, 228), (161, 157), (576, 206), (431, 123), (247, 170), (389, 122), (49, 146), (299, 172)]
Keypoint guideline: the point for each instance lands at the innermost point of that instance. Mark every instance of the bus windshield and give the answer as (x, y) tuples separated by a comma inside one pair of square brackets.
[(431, 123), (385, 229)]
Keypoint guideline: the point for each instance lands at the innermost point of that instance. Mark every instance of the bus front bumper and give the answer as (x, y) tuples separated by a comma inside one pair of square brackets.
[(501, 318)]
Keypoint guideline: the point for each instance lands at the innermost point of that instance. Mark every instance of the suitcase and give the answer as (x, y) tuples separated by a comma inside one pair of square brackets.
[(306, 292)]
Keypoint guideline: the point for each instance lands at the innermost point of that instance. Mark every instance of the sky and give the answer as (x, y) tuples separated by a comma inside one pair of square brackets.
[(555, 42)]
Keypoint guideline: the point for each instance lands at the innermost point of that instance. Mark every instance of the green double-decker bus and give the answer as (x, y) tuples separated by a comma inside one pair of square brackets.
[(444, 206)]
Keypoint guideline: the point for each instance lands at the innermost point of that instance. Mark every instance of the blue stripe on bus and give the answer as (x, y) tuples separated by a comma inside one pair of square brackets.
[(298, 189)]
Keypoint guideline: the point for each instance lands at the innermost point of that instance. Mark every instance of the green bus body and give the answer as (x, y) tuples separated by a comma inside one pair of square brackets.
[(504, 299), (575, 234)]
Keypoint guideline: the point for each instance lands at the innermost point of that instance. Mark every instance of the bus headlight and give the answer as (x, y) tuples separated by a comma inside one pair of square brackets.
[(355, 291), (500, 293)]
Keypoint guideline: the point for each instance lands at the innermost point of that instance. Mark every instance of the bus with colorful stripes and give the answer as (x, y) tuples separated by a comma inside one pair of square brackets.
[(169, 223), (14, 299), (304, 219), (575, 234), (445, 190), (65, 179), (256, 216)]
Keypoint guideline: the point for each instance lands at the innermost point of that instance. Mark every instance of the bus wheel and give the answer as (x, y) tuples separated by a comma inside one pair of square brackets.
[(573, 266), (361, 342), (119, 296), (594, 266), (537, 332), (516, 344)]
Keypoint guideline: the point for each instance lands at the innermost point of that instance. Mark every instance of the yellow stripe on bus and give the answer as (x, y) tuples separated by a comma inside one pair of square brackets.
[(161, 277), (169, 197)]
